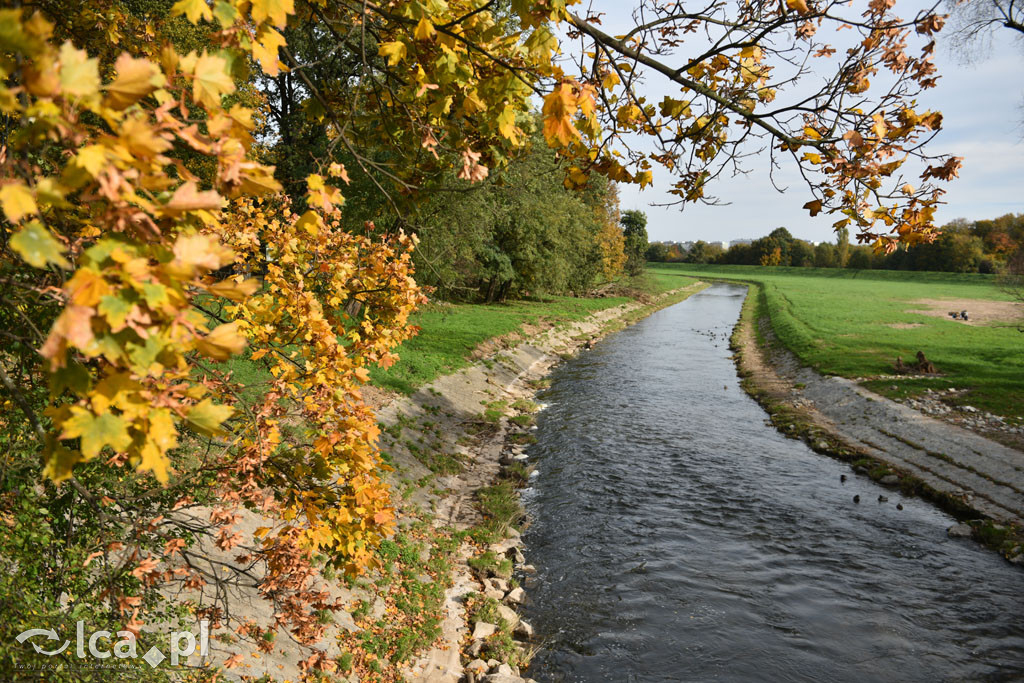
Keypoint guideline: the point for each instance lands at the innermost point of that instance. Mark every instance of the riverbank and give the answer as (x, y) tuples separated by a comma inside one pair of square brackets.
[(976, 479), (456, 445), (855, 324)]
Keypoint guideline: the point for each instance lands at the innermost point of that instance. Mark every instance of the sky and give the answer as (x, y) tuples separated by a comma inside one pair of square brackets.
[(983, 121)]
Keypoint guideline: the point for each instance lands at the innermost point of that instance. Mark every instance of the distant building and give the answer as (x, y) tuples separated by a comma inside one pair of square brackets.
[(736, 243)]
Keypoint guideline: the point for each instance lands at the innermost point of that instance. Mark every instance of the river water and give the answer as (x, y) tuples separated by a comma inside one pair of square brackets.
[(678, 537)]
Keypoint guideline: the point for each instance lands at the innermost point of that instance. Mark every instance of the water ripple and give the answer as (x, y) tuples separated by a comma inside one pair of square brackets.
[(679, 538)]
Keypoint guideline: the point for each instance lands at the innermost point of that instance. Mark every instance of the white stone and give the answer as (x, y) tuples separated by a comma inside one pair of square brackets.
[(509, 615), (477, 666), (516, 595), (483, 630), (524, 630)]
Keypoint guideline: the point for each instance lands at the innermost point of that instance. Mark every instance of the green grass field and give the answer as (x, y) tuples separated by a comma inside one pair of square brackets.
[(854, 324), (450, 332)]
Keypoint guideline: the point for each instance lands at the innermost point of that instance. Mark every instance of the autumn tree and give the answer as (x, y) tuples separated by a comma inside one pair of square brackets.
[(743, 78), (610, 239), (137, 208)]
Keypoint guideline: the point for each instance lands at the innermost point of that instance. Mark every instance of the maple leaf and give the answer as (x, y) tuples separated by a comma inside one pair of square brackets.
[(814, 207), (194, 10), (276, 11), (188, 198), (200, 251), (338, 171), (265, 50), (38, 246), (60, 462), (235, 291), (559, 108), (424, 30), (17, 201), (92, 159), (136, 78), (222, 343), (96, 431), (206, 417), (507, 125), (211, 80), (395, 51), (87, 287), (161, 436), (79, 75)]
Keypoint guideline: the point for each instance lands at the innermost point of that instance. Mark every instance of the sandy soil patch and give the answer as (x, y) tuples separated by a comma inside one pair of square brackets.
[(905, 326), (979, 311)]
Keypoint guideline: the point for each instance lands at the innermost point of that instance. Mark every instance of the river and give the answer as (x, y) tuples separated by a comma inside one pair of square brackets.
[(678, 537)]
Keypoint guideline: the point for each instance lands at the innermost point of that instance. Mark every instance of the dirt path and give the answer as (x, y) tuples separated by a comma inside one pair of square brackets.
[(975, 473)]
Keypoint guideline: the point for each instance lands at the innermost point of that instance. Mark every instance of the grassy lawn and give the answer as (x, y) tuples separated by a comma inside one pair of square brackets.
[(855, 323), (450, 332)]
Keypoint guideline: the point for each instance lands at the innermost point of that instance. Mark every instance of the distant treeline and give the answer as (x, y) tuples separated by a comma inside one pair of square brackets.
[(963, 247)]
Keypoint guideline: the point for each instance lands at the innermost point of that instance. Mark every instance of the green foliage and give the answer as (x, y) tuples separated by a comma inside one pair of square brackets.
[(634, 229), (963, 247), (518, 233)]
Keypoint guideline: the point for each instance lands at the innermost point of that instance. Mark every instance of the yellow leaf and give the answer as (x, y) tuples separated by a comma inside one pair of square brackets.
[(751, 52), (812, 133), (92, 159), (96, 431), (188, 198), (204, 252), (235, 291), (472, 103), (206, 417), (265, 49), (211, 80), (310, 221), (79, 75), (59, 463), (161, 436), (224, 342), (38, 247), (275, 10), (559, 108), (424, 30), (193, 9), (136, 78), (507, 124), (17, 201), (799, 5), (395, 51), (87, 287), (644, 178)]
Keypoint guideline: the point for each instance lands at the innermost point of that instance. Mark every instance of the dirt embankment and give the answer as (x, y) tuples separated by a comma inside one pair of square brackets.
[(979, 480)]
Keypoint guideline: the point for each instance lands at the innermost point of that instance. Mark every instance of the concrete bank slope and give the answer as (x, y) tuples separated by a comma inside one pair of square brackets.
[(967, 473), (452, 438)]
